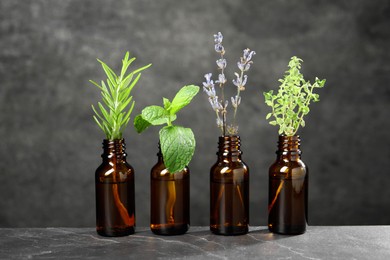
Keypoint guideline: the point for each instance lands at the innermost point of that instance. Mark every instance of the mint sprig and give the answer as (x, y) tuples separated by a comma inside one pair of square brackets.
[(292, 101), (177, 143), (116, 95)]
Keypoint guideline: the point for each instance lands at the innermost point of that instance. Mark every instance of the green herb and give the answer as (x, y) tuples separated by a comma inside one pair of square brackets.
[(292, 101), (113, 117), (177, 143)]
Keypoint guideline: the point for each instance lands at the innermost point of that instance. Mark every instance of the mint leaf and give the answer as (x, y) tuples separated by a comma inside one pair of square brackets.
[(177, 146), (157, 115), (167, 103), (140, 124), (183, 98)]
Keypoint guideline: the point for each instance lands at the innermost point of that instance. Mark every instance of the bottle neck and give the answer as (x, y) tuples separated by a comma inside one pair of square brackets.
[(229, 147), (114, 150), (289, 147)]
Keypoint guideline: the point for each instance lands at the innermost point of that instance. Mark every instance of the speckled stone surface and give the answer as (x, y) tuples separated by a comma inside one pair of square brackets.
[(50, 145), (319, 242)]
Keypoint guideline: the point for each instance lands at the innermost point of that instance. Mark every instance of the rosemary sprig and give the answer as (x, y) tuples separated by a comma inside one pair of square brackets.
[(114, 114)]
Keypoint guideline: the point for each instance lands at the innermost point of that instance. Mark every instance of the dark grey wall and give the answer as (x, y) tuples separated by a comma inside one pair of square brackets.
[(50, 146)]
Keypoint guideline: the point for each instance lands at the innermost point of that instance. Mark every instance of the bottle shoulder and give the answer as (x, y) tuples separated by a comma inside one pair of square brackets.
[(288, 169), (108, 172), (229, 172), (160, 172)]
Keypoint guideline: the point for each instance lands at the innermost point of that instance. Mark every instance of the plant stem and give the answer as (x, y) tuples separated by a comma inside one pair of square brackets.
[(238, 95), (221, 85), (121, 208), (276, 196), (306, 104), (169, 209)]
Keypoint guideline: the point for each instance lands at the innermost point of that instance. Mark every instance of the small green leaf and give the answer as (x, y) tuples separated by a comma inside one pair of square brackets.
[(303, 123), (140, 124), (272, 123), (157, 115), (305, 110), (183, 98), (109, 72), (167, 103), (268, 116), (177, 146)]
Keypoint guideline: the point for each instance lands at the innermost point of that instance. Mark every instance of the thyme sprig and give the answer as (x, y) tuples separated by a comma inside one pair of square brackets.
[(292, 101)]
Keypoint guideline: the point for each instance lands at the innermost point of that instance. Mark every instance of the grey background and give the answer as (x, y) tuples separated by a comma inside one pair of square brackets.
[(50, 146)]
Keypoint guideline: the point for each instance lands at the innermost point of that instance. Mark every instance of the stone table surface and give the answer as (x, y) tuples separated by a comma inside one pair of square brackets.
[(319, 242)]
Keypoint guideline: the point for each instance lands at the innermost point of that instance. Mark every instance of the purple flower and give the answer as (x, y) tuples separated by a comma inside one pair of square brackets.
[(248, 55), (209, 82), (219, 48), (215, 104), (210, 91), (221, 63), (240, 83), (221, 79), (244, 66), (236, 101), (218, 37)]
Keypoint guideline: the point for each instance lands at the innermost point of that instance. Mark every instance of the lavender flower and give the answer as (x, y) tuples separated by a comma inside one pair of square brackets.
[(219, 48), (218, 38), (240, 81), (215, 104), (220, 106), (248, 55), (236, 101), (244, 66), (221, 63), (210, 91), (209, 82), (218, 43), (221, 79)]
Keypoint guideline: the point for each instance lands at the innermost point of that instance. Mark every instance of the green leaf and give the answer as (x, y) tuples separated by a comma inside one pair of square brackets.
[(305, 110), (105, 114), (177, 146), (183, 98), (116, 95), (140, 124), (268, 116), (167, 103), (109, 72), (142, 68), (157, 115), (272, 123)]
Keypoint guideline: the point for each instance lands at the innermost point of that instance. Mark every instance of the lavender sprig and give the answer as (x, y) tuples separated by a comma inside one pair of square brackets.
[(220, 105), (240, 81), (209, 89)]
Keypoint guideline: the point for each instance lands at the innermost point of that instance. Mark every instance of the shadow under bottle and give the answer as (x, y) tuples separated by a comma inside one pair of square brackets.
[(114, 182), (229, 189), (288, 189), (169, 200)]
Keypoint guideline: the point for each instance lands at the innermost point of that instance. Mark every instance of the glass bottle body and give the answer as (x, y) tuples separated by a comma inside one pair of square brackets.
[(170, 200), (229, 190), (115, 196), (288, 189)]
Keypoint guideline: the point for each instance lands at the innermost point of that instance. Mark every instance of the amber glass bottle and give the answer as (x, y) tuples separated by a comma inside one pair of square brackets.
[(169, 200), (288, 189), (229, 190), (115, 203)]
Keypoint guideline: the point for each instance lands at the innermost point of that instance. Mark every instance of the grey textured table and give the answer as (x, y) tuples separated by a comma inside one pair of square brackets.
[(343, 242)]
